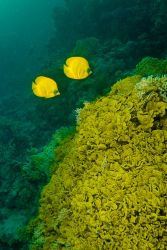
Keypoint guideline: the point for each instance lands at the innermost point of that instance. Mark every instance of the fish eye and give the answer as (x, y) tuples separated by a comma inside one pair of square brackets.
[(56, 92), (89, 70)]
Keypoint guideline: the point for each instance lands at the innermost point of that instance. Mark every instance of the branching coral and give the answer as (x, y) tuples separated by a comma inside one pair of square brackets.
[(148, 87), (109, 191), (151, 66)]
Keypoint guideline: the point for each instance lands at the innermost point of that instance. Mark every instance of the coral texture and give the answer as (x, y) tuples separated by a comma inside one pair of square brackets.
[(151, 66), (109, 190)]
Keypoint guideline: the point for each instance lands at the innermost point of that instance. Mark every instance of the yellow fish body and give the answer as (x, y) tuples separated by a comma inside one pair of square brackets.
[(77, 68), (45, 87)]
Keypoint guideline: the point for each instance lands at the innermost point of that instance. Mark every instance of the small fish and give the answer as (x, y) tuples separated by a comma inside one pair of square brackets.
[(77, 68), (45, 87)]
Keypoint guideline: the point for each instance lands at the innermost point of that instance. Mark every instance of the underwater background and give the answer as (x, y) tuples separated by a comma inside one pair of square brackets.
[(55, 146)]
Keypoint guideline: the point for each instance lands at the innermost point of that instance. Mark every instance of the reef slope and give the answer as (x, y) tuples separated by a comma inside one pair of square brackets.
[(109, 189)]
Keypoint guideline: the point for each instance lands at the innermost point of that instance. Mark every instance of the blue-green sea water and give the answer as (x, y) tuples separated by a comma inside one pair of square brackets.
[(36, 38), (26, 27)]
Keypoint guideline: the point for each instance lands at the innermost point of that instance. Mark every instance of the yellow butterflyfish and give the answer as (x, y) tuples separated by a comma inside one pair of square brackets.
[(45, 87), (77, 68)]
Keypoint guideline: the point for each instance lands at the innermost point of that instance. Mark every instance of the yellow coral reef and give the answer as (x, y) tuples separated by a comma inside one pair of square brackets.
[(110, 189)]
